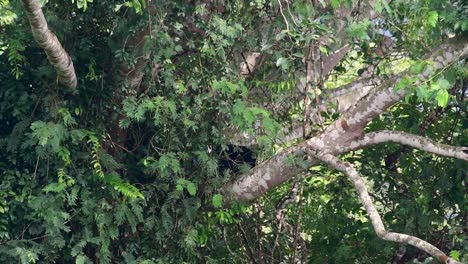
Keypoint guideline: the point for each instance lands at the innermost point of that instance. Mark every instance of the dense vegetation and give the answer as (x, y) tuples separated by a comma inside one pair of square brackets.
[(175, 101)]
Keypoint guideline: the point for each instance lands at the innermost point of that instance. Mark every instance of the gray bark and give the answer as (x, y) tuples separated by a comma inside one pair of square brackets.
[(340, 135), (47, 40)]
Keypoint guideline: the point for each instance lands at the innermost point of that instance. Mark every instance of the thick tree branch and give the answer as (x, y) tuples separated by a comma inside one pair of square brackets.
[(133, 75), (330, 61), (374, 216), (354, 87), (338, 137), (350, 125), (267, 175), (47, 40), (411, 140), (356, 117), (366, 98), (344, 97)]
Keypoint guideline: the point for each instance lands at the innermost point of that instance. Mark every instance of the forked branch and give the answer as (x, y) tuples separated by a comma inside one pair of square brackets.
[(411, 140), (47, 40), (374, 216)]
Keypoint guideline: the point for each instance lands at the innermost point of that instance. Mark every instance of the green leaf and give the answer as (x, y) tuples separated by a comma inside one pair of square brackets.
[(283, 63), (281, 35), (48, 134), (403, 83), (179, 187), (54, 187), (181, 89), (266, 47), (443, 83), (442, 98), (249, 117), (168, 163), (125, 188), (323, 50), (82, 259), (435, 86), (117, 8), (432, 18), (418, 67), (359, 30), (455, 254), (217, 200), (191, 188), (335, 3), (239, 107), (422, 93), (387, 7)]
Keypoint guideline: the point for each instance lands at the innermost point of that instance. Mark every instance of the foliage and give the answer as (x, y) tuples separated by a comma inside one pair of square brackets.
[(130, 174)]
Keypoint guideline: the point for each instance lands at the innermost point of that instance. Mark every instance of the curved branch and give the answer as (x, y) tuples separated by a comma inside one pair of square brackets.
[(338, 136), (374, 216), (411, 140), (47, 40)]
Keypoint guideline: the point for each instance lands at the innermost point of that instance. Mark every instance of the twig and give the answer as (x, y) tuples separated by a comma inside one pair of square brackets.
[(284, 17), (226, 243), (249, 249), (287, 199)]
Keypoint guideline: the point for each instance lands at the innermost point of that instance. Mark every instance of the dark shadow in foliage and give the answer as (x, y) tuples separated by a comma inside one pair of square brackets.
[(236, 159)]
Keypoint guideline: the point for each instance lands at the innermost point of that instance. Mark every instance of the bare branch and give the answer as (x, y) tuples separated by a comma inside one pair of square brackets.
[(415, 141), (47, 40), (374, 216)]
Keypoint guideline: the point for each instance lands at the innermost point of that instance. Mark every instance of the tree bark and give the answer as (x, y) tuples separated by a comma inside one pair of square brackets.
[(47, 40), (374, 216), (340, 135)]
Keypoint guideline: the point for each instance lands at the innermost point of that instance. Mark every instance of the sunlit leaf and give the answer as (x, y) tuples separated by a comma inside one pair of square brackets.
[(442, 98), (217, 200)]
